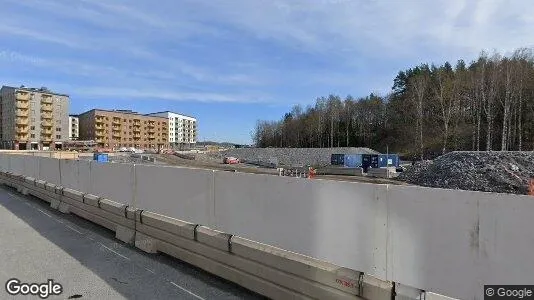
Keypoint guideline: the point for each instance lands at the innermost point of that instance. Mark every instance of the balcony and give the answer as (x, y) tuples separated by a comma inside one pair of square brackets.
[(46, 124), (22, 129), (99, 120), (116, 128), (23, 104), (21, 121), (21, 113), (99, 140), (136, 129), (47, 116), (46, 108), (99, 127), (151, 131), (116, 122), (46, 99), (137, 136), (151, 138), (99, 133), (22, 136), (23, 96)]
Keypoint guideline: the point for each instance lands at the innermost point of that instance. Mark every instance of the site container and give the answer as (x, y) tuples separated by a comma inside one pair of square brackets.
[(352, 160), (101, 157), (388, 160), (369, 161), (337, 159)]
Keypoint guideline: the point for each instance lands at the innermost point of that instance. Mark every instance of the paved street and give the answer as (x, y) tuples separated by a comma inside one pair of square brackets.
[(38, 243)]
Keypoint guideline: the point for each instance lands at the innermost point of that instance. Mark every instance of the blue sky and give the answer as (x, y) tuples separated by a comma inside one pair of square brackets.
[(232, 62)]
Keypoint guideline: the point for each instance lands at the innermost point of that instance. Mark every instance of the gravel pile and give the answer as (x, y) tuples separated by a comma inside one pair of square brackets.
[(290, 156), (501, 172)]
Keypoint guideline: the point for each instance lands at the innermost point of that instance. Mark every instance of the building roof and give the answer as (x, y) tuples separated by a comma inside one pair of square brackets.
[(122, 111), (36, 90), (172, 112)]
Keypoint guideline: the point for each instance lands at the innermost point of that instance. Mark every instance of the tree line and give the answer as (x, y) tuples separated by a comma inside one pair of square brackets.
[(485, 105)]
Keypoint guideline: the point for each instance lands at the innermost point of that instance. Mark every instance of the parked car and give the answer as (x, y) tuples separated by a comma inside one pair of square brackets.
[(230, 160)]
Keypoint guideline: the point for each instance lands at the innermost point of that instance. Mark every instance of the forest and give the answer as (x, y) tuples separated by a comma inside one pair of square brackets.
[(486, 105)]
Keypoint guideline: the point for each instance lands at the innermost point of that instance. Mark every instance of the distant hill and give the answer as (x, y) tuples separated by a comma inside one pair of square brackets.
[(220, 144)]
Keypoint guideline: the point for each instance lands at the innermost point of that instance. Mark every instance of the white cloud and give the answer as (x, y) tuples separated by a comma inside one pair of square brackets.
[(145, 93)]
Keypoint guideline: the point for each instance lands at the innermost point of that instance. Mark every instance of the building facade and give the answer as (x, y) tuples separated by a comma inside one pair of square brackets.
[(115, 129), (183, 130), (33, 119), (74, 128)]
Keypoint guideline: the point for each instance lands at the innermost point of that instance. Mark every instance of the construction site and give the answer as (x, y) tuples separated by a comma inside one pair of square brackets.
[(497, 172)]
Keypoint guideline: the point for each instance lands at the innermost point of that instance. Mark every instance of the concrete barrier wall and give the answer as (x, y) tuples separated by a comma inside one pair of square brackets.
[(340, 222), (446, 241), (49, 170), (17, 164), (31, 166), (69, 174), (4, 162), (113, 181), (182, 193)]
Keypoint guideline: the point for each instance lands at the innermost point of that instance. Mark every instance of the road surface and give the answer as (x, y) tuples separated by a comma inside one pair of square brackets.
[(38, 243)]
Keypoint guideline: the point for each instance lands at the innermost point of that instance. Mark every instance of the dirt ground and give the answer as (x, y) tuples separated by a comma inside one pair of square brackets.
[(214, 164)]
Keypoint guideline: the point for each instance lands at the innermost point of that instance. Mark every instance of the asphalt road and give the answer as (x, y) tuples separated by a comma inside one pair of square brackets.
[(38, 243)]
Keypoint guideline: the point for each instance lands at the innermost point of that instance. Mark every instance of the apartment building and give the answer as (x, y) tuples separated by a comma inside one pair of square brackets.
[(74, 128), (183, 130), (33, 118), (115, 129)]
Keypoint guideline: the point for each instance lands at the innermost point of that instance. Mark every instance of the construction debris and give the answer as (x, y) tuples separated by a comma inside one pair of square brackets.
[(274, 157), (501, 172)]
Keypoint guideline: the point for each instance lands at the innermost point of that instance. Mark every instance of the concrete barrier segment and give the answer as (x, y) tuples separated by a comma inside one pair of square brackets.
[(213, 238), (54, 203), (375, 289), (70, 193), (146, 243), (404, 292), (307, 267), (50, 187), (91, 199), (40, 184), (434, 296), (253, 283), (174, 226), (112, 207), (125, 234), (30, 180)]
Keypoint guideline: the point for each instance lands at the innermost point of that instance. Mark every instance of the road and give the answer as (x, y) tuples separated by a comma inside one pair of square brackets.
[(38, 243)]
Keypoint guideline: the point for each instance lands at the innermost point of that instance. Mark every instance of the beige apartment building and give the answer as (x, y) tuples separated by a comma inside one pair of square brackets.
[(32, 118), (123, 128)]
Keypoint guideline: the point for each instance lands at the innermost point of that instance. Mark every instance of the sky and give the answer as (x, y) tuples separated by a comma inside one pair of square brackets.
[(230, 63)]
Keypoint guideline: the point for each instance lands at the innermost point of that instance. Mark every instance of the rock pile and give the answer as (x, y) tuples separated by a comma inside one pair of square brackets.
[(501, 172), (291, 156)]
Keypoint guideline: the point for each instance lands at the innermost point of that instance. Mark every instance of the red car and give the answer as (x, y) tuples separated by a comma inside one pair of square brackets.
[(230, 160)]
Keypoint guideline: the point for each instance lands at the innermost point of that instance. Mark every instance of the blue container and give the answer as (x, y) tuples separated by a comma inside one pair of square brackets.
[(369, 161), (337, 159), (353, 160), (101, 157), (385, 160)]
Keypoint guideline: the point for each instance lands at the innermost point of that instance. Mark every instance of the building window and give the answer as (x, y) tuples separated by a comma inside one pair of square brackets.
[(32, 127), (32, 135), (58, 129), (58, 136)]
